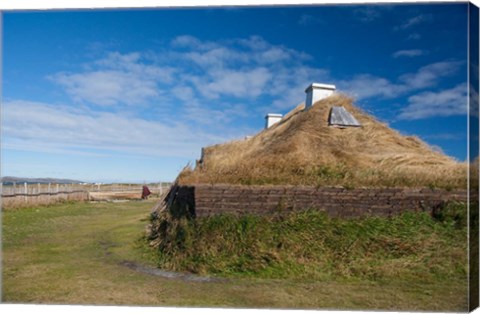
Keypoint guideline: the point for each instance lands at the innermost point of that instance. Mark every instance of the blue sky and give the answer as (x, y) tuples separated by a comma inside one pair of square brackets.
[(133, 95)]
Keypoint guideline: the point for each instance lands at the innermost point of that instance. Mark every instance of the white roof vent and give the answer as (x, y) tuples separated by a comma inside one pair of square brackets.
[(316, 92), (271, 119)]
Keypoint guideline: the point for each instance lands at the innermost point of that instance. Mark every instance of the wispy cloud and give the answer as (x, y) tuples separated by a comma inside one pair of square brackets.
[(126, 99), (429, 104), (431, 74), (116, 79), (367, 13), (240, 84), (366, 85), (408, 53), (416, 20), (191, 42), (63, 128), (414, 36), (305, 19), (308, 19), (245, 69), (206, 84)]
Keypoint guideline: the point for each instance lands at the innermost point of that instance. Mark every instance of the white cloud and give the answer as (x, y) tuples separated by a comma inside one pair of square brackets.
[(429, 104), (186, 41), (190, 42), (414, 36), (252, 51), (244, 68), (273, 55), (133, 64), (416, 20), (368, 13), (308, 20), (193, 111), (184, 93), (366, 86), (107, 87), (36, 126), (242, 84), (117, 79), (217, 57), (209, 82), (173, 101), (408, 53), (429, 75), (254, 43)]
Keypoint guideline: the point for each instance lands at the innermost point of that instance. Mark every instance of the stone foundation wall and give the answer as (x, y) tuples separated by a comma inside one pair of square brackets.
[(205, 200)]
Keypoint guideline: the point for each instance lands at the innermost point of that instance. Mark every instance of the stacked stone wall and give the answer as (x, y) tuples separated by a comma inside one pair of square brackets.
[(205, 200)]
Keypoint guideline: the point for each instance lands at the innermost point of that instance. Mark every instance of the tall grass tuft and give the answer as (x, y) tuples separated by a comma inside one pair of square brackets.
[(309, 245)]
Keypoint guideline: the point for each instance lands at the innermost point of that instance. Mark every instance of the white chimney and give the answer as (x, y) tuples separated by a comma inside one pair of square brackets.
[(316, 92), (271, 119)]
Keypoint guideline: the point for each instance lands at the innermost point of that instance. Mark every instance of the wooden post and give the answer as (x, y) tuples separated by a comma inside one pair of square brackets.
[(58, 186), (49, 187), (38, 188), (25, 191)]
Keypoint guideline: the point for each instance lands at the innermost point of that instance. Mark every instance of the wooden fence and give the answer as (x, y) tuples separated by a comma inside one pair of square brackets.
[(19, 195)]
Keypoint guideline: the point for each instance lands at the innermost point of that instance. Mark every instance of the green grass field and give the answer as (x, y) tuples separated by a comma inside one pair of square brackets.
[(75, 253)]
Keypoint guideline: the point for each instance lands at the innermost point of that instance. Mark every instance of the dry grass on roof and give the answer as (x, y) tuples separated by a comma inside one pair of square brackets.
[(303, 149)]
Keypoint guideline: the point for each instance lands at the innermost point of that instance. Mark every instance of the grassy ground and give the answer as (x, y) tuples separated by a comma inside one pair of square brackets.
[(73, 253)]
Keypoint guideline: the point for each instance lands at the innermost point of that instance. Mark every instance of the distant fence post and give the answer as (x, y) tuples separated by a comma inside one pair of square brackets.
[(25, 191), (58, 186), (160, 188), (49, 187)]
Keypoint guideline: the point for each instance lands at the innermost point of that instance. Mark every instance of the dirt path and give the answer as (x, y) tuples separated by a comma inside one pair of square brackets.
[(138, 267), (169, 274)]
